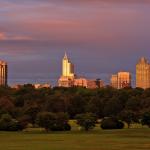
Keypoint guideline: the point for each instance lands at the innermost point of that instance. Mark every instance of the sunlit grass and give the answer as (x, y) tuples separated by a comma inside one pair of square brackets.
[(97, 139)]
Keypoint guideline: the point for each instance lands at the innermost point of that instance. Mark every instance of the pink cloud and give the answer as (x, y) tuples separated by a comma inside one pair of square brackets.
[(5, 36), (2, 36)]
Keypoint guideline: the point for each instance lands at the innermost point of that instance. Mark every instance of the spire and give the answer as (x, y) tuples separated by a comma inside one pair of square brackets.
[(143, 60), (65, 56)]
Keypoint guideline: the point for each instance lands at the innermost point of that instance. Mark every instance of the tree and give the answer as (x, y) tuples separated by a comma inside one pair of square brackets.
[(24, 121), (129, 117), (61, 122), (146, 119), (32, 111), (46, 120), (95, 105), (111, 123), (7, 123), (76, 105), (112, 107), (5, 91), (133, 104), (87, 120), (53, 121), (6, 104), (55, 104)]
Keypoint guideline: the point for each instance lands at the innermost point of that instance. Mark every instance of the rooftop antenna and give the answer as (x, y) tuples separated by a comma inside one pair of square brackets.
[(65, 55)]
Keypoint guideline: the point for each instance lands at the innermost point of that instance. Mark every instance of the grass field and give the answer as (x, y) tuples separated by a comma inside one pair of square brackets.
[(125, 139)]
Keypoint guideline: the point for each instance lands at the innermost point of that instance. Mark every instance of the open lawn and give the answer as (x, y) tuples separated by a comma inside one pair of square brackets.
[(125, 139)]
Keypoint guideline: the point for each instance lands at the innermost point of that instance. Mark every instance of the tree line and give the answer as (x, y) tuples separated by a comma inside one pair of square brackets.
[(52, 108)]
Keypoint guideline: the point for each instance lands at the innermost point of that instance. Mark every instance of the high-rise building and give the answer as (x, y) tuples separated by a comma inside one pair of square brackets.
[(3, 73), (69, 79), (121, 80), (114, 81), (67, 67), (124, 80), (143, 73), (68, 75)]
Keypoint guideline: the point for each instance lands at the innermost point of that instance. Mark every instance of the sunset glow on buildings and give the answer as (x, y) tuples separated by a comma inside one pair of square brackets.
[(67, 67), (121, 80), (102, 36), (69, 79), (68, 75), (143, 73), (3, 73)]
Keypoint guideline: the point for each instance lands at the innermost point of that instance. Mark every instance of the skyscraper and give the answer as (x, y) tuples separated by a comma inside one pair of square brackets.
[(67, 67), (121, 80), (143, 73), (68, 75), (69, 79), (3, 73), (114, 81), (124, 80)]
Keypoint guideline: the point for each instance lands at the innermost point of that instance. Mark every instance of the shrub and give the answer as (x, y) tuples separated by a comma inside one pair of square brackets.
[(61, 127), (24, 121), (61, 122), (129, 117), (14, 126), (111, 123), (9, 124), (53, 121), (146, 119), (45, 120), (67, 127), (87, 121)]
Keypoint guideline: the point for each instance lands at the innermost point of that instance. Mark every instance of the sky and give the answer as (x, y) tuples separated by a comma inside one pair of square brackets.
[(101, 37)]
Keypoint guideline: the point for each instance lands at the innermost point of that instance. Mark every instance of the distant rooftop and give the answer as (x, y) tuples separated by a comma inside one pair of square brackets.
[(143, 60), (3, 62)]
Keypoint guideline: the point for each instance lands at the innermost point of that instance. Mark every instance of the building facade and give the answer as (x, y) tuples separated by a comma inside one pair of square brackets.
[(3, 73), (68, 75), (124, 80), (81, 82), (94, 84), (121, 80), (143, 73), (114, 81), (67, 67), (40, 86), (69, 79), (89, 84)]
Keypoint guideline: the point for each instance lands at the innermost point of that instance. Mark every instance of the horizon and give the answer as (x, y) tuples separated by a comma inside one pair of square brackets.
[(100, 37), (56, 76)]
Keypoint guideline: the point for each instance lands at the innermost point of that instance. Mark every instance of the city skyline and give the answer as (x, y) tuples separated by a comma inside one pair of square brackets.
[(34, 35), (68, 77), (62, 71)]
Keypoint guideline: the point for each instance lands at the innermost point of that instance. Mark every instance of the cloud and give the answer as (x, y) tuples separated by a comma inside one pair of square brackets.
[(35, 32), (19, 37), (2, 36), (7, 37)]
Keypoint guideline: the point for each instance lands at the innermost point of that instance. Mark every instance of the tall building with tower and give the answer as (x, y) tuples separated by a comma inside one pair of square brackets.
[(3, 73), (67, 67), (69, 79), (68, 75), (143, 73)]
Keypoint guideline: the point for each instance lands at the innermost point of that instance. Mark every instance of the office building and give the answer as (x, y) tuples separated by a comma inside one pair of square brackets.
[(143, 73), (3, 73), (121, 80)]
